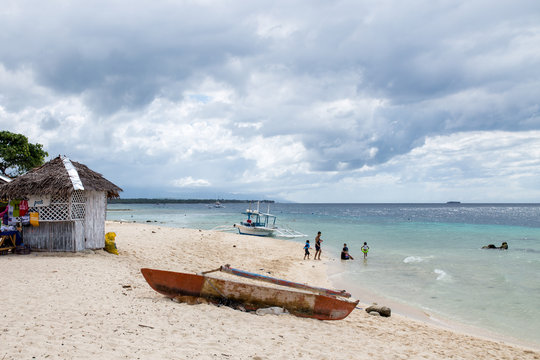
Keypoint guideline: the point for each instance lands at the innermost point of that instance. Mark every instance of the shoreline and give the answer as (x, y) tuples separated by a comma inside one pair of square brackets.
[(400, 308), (89, 304), (335, 274), (425, 316)]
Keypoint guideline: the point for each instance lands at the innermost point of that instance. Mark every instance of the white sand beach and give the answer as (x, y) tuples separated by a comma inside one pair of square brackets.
[(97, 305)]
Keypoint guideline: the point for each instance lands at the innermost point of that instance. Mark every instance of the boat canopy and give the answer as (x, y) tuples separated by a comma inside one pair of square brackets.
[(256, 218)]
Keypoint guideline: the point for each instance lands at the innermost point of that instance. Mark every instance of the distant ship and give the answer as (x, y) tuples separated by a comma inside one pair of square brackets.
[(453, 202)]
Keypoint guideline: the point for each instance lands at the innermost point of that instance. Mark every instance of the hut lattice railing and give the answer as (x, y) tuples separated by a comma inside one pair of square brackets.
[(63, 208)]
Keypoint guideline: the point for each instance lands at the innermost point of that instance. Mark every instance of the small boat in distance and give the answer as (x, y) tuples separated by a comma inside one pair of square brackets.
[(190, 287), (217, 204), (263, 224), (453, 202)]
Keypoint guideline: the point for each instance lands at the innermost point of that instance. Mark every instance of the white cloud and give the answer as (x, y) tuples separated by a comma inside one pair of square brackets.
[(271, 27), (475, 167), (190, 182)]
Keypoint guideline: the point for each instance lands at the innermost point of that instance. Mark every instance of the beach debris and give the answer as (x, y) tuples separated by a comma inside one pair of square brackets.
[(274, 310), (146, 326), (384, 311)]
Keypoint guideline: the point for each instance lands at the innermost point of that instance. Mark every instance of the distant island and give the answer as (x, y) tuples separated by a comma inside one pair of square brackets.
[(181, 201), (453, 202)]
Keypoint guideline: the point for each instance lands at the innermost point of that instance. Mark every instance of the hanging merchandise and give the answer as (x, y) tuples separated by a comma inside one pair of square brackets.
[(4, 215), (11, 219), (14, 204), (25, 219), (34, 218), (23, 208)]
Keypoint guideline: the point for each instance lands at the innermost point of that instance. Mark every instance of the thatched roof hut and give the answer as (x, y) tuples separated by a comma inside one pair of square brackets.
[(52, 178), (71, 201)]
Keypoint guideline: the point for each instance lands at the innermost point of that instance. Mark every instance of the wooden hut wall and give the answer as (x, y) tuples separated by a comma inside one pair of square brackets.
[(94, 222), (55, 236), (78, 234)]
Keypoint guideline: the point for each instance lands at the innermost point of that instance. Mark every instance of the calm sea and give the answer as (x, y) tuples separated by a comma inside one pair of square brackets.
[(425, 255)]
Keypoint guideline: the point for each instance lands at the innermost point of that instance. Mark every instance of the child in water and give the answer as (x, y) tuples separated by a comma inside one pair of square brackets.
[(365, 249), (306, 248)]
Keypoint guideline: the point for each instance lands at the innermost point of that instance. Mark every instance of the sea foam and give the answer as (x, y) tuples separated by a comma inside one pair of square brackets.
[(412, 259), (441, 274)]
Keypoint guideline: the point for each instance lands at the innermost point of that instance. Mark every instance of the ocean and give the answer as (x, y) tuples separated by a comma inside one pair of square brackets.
[(428, 256)]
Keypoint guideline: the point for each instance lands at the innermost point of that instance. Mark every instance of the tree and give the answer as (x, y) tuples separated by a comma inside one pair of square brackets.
[(17, 155)]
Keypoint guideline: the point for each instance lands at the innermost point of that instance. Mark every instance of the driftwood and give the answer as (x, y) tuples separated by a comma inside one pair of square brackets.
[(381, 310)]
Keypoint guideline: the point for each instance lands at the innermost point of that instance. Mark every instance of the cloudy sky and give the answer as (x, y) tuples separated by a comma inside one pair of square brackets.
[(306, 101)]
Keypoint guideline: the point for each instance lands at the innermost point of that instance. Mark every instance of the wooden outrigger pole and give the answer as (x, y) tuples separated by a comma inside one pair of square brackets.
[(228, 269)]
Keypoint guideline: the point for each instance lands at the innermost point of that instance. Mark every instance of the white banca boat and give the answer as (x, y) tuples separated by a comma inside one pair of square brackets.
[(260, 223), (257, 223)]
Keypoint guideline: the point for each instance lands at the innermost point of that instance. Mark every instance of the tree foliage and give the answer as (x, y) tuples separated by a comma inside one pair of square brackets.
[(17, 155)]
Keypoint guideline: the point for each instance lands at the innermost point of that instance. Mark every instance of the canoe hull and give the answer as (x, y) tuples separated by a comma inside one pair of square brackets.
[(251, 297)]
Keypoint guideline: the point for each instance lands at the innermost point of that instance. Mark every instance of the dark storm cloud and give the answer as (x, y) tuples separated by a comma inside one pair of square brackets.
[(341, 85), (106, 52)]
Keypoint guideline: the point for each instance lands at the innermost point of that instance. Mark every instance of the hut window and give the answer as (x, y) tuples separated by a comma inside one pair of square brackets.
[(63, 208)]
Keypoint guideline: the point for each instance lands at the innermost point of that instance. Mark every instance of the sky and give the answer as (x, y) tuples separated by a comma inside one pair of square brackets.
[(305, 101)]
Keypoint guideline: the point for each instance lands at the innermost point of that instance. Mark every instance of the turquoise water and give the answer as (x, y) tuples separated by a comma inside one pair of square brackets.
[(427, 256)]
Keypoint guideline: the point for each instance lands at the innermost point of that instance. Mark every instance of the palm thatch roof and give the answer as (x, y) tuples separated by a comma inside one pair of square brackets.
[(52, 178)]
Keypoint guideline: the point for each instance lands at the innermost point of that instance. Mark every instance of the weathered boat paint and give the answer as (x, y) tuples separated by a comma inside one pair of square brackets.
[(251, 297), (250, 275)]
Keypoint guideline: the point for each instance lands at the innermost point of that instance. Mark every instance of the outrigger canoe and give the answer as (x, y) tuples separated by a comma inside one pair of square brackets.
[(251, 297)]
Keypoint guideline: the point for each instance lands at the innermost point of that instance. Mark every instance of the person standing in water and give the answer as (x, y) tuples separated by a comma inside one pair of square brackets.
[(365, 249), (318, 242)]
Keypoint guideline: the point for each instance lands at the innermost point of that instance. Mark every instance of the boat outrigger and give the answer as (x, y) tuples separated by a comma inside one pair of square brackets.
[(312, 302)]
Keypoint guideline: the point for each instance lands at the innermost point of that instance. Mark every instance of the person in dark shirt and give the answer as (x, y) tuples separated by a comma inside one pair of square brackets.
[(345, 253)]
